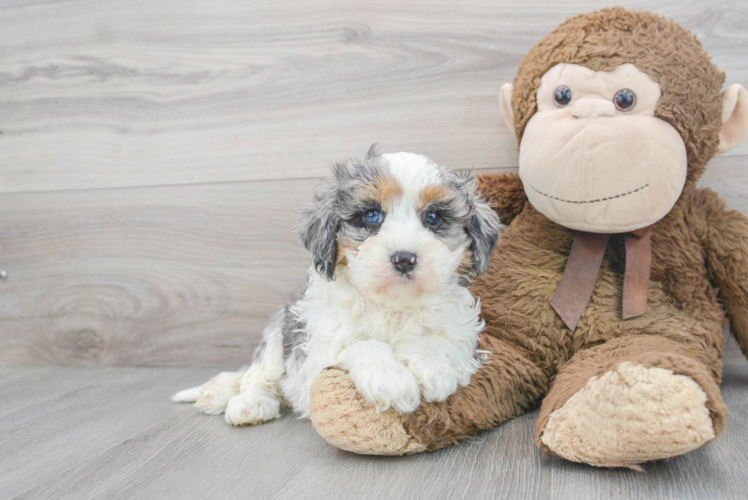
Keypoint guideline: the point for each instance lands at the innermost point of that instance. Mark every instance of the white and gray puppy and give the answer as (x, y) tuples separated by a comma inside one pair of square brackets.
[(395, 241)]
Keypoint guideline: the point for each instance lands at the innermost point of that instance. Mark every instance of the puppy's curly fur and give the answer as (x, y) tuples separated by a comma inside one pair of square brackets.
[(395, 239)]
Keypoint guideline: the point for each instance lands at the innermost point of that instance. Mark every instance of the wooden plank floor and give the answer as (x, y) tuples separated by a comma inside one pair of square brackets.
[(112, 433)]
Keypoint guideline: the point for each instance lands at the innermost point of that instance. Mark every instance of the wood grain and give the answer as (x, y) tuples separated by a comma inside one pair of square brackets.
[(146, 276), (112, 433), (99, 94), (165, 276)]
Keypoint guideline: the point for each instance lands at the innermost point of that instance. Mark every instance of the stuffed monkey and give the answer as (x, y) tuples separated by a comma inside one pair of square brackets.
[(605, 299)]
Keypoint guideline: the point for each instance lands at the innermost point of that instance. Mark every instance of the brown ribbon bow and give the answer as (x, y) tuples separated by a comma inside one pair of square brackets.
[(580, 275)]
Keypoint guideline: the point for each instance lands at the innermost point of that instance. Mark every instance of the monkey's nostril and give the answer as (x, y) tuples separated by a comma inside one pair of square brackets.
[(404, 262)]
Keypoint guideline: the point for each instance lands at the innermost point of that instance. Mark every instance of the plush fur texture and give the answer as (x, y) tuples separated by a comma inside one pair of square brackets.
[(367, 432), (590, 167), (648, 413), (535, 358), (403, 330), (667, 52), (699, 279)]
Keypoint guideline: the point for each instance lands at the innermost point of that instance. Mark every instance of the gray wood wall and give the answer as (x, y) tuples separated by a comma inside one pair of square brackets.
[(153, 153)]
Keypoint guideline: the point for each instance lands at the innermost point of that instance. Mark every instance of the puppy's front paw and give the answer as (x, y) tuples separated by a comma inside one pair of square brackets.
[(252, 409), (435, 378), (389, 386)]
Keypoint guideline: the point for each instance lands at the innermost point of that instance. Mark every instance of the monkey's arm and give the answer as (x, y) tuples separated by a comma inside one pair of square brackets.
[(505, 193), (505, 387), (725, 236)]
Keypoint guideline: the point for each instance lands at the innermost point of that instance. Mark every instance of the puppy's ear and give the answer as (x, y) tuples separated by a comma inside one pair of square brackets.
[(373, 151), (484, 228), (319, 227)]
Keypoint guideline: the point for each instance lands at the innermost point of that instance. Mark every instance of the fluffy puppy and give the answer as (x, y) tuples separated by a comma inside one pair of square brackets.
[(395, 241)]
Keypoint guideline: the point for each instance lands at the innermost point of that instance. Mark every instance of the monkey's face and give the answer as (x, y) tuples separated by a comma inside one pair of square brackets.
[(594, 157)]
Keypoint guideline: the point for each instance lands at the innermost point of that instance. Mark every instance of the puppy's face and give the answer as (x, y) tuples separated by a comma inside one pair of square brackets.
[(400, 227)]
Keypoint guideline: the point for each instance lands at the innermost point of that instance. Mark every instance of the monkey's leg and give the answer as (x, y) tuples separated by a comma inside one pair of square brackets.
[(507, 386), (631, 400)]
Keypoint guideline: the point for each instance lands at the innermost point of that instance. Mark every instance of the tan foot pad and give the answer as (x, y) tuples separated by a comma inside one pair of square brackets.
[(345, 420), (630, 416)]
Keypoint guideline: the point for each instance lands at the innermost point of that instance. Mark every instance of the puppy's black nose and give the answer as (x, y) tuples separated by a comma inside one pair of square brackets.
[(404, 262)]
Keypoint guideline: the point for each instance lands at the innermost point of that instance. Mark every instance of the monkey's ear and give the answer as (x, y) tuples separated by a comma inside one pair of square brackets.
[(505, 104), (734, 118)]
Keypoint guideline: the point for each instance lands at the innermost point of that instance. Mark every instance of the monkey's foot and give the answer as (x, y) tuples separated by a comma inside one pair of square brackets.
[(345, 420), (629, 416)]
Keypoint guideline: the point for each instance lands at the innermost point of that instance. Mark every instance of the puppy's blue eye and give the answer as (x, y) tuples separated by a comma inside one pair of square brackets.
[(373, 217), (433, 219)]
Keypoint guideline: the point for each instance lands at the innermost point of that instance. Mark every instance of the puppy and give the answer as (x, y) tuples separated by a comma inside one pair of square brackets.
[(395, 240)]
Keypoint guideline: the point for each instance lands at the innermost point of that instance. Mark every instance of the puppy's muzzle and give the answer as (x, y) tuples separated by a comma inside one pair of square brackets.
[(404, 262)]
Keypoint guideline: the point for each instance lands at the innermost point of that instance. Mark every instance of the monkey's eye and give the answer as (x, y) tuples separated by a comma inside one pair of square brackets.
[(562, 96), (432, 219), (625, 99), (373, 217)]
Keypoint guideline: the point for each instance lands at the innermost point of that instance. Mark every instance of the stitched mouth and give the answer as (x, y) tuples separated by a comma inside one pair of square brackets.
[(590, 201)]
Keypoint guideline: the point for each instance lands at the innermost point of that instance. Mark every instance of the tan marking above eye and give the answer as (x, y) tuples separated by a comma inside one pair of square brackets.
[(389, 189), (384, 190), (432, 194)]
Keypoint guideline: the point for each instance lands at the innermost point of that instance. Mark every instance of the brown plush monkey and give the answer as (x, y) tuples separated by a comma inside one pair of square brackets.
[(617, 114)]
